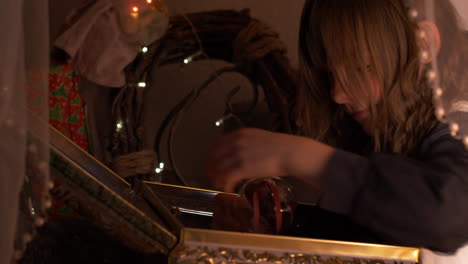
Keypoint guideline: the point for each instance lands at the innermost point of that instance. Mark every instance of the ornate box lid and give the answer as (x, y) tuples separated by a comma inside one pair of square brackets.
[(102, 196)]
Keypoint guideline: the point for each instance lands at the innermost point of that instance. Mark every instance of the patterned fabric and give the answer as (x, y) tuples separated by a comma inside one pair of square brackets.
[(66, 104), (66, 114)]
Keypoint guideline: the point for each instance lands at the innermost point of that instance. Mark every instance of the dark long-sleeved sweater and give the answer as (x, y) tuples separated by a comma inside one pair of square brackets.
[(420, 202)]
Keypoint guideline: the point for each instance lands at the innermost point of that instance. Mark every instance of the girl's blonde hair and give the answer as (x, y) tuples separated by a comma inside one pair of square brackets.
[(363, 41)]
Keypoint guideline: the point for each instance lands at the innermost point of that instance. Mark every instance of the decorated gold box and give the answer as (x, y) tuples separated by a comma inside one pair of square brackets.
[(156, 218)]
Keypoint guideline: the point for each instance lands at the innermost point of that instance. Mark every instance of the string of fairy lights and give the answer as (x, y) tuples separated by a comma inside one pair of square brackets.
[(176, 114), (134, 12), (432, 78)]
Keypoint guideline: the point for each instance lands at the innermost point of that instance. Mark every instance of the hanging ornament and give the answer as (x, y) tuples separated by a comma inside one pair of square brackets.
[(143, 20)]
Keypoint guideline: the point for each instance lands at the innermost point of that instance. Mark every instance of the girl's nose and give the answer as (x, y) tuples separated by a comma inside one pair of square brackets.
[(339, 95)]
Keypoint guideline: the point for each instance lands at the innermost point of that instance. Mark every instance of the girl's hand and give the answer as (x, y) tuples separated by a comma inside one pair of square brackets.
[(254, 153)]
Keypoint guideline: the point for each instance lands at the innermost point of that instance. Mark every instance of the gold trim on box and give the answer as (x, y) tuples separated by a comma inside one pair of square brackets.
[(210, 246), (95, 181), (186, 188), (207, 191), (89, 156)]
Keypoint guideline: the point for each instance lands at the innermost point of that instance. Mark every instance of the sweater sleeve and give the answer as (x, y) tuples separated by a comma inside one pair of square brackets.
[(410, 202)]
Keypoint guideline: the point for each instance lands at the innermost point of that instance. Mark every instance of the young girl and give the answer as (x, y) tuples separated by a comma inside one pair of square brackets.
[(369, 138)]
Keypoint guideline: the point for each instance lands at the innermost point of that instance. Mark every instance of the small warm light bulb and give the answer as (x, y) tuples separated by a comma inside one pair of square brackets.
[(465, 140), (439, 92), (422, 34), (161, 165), (48, 204), (413, 13), (144, 49), (440, 113), (431, 75), (193, 56), (158, 170), (454, 128), (135, 9), (217, 123), (425, 56), (142, 84), (39, 221), (149, 1), (119, 126)]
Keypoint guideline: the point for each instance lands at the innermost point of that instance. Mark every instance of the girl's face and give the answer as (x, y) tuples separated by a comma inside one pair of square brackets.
[(358, 107)]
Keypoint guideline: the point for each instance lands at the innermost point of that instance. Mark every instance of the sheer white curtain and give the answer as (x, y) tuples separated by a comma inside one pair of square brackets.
[(24, 61), (446, 72)]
